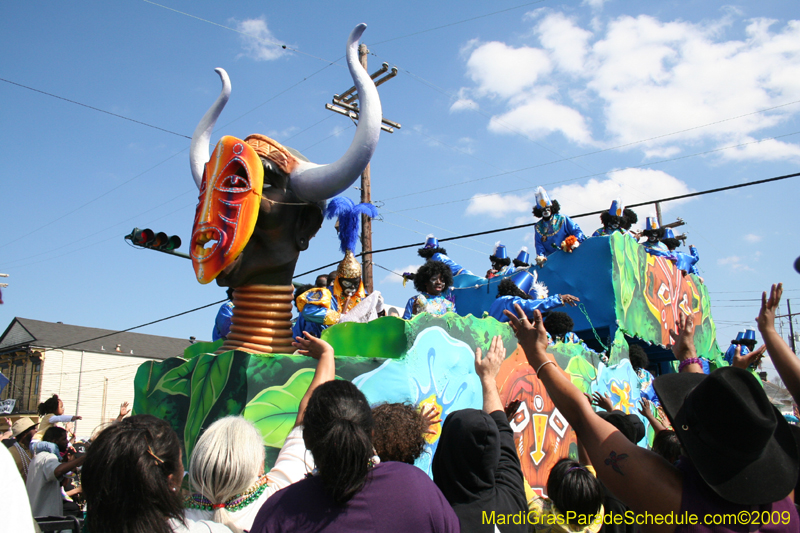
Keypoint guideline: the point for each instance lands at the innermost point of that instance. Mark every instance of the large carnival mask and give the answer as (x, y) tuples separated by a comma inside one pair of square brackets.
[(259, 202), (230, 198)]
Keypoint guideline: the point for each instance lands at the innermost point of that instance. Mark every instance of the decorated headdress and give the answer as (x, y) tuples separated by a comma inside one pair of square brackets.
[(749, 335), (616, 208), (668, 233), (431, 241), (349, 214), (739, 336), (523, 256), (500, 251), (542, 199), (651, 224), (529, 283)]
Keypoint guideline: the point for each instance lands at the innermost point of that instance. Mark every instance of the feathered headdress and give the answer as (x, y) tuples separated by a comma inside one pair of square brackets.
[(349, 215)]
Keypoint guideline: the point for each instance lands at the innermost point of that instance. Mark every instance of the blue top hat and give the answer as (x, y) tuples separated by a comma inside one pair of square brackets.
[(542, 199), (668, 233), (524, 280), (749, 335), (500, 251), (524, 256), (651, 224), (616, 208), (431, 242), (739, 336)]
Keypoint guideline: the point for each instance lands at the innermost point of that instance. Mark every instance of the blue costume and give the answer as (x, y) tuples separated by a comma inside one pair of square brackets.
[(658, 249), (551, 233), (425, 303), (732, 351), (321, 308), (688, 263), (502, 303), (222, 324), (455, 268)]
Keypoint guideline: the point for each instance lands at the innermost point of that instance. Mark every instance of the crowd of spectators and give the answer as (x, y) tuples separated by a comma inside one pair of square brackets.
[(720, 450)]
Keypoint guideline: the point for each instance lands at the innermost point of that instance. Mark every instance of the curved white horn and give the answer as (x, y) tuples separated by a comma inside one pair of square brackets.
[(313, 182), (198, 153)]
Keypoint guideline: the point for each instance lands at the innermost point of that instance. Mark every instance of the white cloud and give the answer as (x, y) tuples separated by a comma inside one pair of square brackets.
[(259, 43), (594, 4), (464, 103), (499, 206), (541, 116), (566, 43), (632, 186), (644, 79), (735, 263), (391, 277), (752, 237), (500, 70)]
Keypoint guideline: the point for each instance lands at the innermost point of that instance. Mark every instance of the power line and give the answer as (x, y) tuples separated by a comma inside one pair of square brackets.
[(649, 164), (140, 326), (519, 226), (96, 109)]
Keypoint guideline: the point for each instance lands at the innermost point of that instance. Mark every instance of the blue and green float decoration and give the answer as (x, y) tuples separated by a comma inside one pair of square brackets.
[(429, 360), (277, 208)]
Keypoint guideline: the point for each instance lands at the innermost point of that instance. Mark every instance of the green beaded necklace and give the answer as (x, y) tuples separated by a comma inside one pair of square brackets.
[(236, 503)]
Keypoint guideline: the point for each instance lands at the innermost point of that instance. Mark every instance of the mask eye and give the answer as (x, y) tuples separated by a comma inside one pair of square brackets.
[(234, 183)]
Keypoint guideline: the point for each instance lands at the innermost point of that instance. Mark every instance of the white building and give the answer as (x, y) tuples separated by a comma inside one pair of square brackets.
[(90, 369)]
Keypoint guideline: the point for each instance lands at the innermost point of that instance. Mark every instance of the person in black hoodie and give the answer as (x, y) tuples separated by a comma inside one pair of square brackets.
[(476, 464)]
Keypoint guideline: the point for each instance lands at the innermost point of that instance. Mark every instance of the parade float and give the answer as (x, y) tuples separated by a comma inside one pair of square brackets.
[(261, 203)]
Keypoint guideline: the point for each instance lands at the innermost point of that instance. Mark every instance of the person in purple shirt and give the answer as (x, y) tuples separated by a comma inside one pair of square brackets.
[(350, 489)]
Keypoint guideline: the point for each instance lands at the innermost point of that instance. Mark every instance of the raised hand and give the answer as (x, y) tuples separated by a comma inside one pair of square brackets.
[(753, 358), (531, 337), (312, 346), (603, 401), (569, 299), (766, 317), (683, 338), (489, 367), (430, 417)]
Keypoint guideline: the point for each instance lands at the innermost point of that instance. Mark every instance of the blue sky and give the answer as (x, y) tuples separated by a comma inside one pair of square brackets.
[(591, 100)]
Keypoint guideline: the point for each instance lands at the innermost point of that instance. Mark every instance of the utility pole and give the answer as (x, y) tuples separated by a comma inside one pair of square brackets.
[(791, 327), (345, 104), (366, 196), (790, 316), (658, 213)]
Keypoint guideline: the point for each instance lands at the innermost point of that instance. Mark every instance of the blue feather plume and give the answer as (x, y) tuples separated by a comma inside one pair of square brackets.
[(349, 215)]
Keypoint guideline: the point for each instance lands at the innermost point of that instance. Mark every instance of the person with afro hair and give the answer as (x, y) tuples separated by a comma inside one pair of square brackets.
[(654, 233), (553, 231), (559, 328), (433, 252), (640, 362), (510, 293), (618, 219), (431, 280), (501, 263), (400, 429)]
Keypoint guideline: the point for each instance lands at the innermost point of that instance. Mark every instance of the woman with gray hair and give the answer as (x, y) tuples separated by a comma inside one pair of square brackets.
[(227, 463)]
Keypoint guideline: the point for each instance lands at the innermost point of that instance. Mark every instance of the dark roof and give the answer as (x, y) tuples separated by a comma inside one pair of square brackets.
[(25, 332)]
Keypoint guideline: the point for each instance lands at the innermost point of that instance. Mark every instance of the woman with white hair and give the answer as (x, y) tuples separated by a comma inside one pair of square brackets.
[(227, 463)]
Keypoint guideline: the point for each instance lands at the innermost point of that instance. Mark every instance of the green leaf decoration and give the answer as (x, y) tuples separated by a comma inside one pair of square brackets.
[(177, 380), (582, 373), (208, 380), (200, 347), (274, 410)]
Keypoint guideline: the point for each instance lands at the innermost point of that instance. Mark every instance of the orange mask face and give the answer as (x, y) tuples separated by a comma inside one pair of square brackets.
[(230, 198)]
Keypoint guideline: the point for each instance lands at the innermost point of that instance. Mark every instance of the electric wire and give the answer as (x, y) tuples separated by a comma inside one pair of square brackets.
[(96, 109), (652, 163), (699, 193)]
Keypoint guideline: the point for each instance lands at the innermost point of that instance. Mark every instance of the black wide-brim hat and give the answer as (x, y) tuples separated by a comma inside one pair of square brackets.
[(739, 443)]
